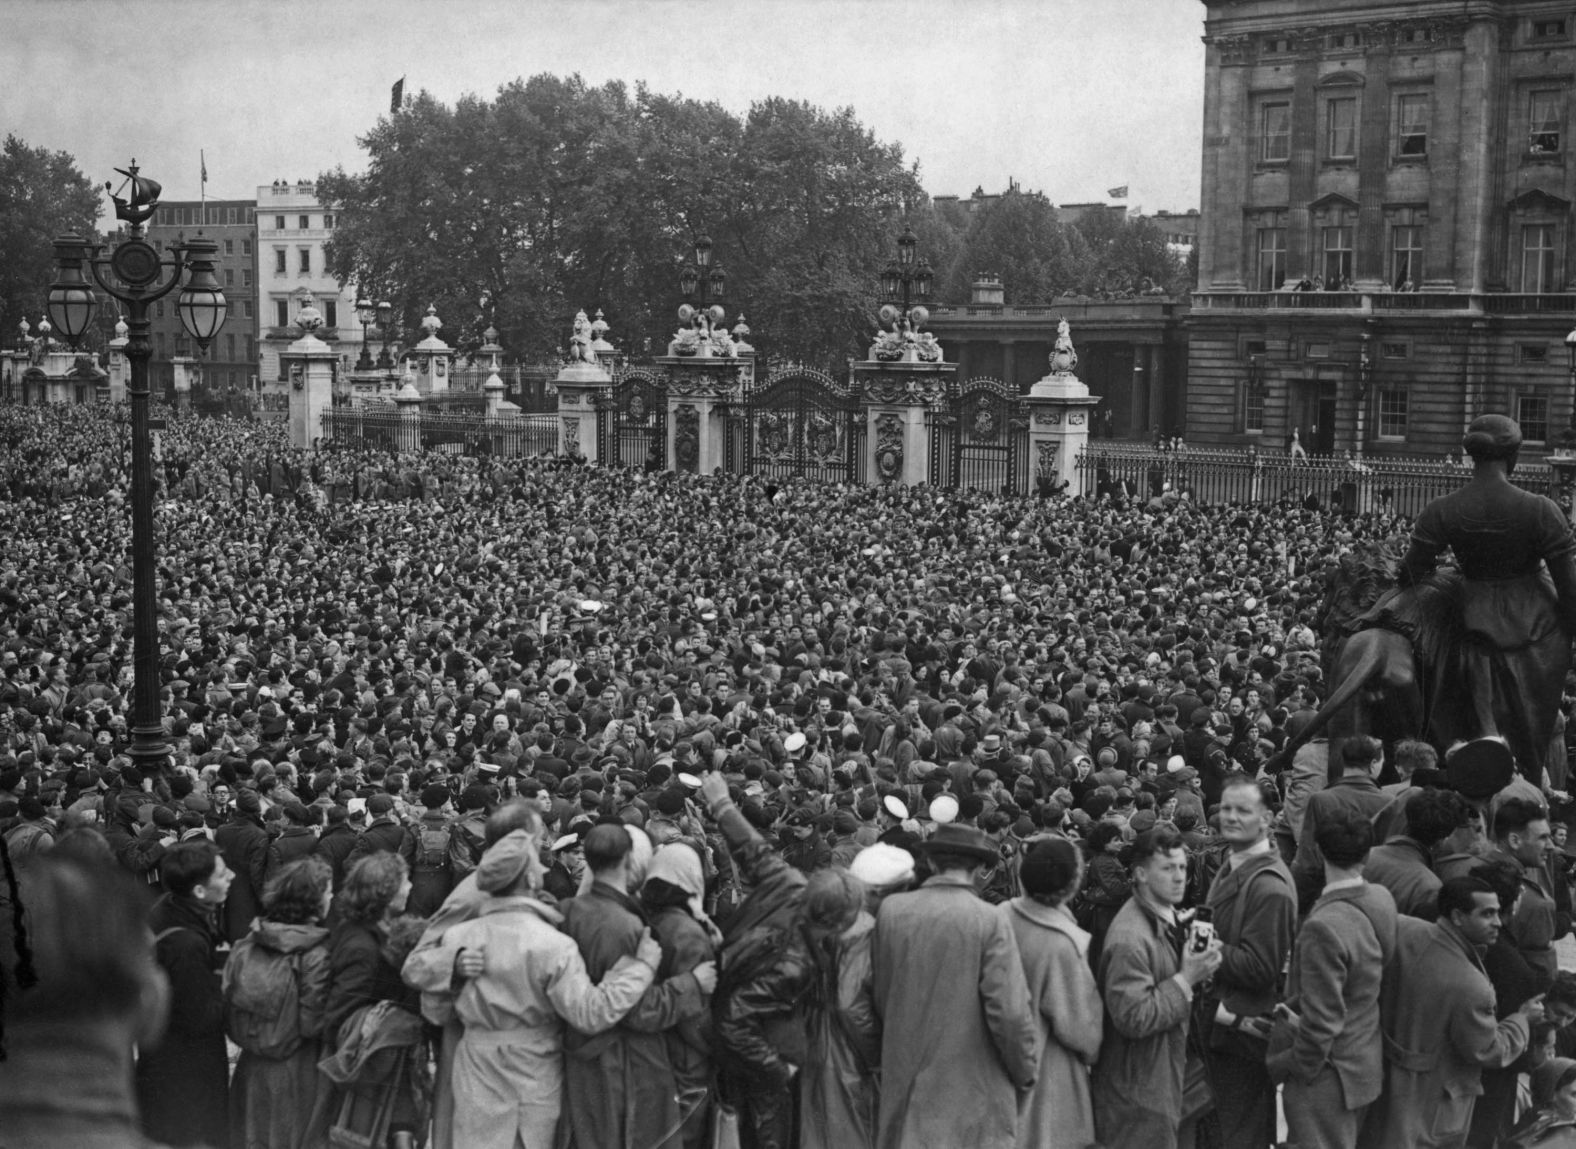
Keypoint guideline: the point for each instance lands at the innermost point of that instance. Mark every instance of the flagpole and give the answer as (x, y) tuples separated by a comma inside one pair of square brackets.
[(202, 185)]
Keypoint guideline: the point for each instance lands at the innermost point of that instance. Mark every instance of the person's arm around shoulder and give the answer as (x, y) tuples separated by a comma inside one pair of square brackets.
[(595, 1008)]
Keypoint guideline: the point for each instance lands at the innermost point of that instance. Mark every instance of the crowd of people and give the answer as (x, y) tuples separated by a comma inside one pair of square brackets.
[(514, 804)]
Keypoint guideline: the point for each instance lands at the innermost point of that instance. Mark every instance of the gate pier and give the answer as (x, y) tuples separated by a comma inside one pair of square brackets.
[(899, 399), (583, 389)]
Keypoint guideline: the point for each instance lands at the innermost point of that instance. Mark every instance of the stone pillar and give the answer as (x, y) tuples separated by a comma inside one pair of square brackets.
[(310, 365), (493, 391), (432, 357), (407, 401), (583, 386), (119, 365), (701, 392), (897, 398), (1059, 406), (1009, 362), (1157, 395), (184, 368)]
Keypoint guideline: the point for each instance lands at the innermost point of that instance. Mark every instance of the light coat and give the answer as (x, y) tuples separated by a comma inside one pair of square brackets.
[(953, 1067), (1059, 1113)]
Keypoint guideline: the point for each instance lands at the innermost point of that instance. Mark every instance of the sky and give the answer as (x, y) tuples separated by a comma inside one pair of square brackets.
[(1067, 97)]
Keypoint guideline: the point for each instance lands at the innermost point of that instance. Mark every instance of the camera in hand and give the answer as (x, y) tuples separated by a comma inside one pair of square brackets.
[(1201, 931)]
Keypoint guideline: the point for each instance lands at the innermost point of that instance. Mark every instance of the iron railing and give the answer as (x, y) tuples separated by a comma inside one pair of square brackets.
[(1389, 485)]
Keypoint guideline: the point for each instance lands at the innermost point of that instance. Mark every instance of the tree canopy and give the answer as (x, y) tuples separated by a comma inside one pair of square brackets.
[(557, 195), (42, 194)]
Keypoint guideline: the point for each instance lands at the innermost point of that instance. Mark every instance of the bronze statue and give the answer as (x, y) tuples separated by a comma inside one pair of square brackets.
[(1517, 556)]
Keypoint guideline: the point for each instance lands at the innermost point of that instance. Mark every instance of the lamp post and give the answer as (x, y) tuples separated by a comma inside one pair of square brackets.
[(905, 281), (136, 275), (385, 317), (366, 312), (702, 284), (1562, 460)]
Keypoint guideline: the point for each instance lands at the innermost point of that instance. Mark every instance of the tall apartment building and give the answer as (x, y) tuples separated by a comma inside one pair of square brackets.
[(292, 231), (231, 360), (1385, 248)]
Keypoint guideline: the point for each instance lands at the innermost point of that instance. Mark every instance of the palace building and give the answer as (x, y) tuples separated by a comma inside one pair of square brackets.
[(1385, 244)]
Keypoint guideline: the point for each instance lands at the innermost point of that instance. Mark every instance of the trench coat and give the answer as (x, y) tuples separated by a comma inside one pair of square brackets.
[(509, 1068), (1437, 1012), (1138, 1079), (1059, 1113), (960, 1044)]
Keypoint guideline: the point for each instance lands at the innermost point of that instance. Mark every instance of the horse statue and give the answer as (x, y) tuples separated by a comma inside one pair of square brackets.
[(1388, 654)]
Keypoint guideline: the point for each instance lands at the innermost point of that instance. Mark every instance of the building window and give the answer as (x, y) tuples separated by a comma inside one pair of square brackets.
[(1253, 410), (1548, 29), (281, 313), (330, 313), (1537, 257), (229, 347), (1406, 256), (1277, 46), (247, 309), (1337, 255), (328, 220), (1544, 121), (305, 265), (1272, 258), (246, 247), (251, 215), (1395, 350), (229, 215), (1341, 128), (1275, 132), (1341, 41), (279, 261), (229, 277), (1532, 412), (1411, 116), (1392, 413), (1532, 353), (305, 222), (229, 246), (246, 277), (251, 349), (279, 223), (1316, 349)]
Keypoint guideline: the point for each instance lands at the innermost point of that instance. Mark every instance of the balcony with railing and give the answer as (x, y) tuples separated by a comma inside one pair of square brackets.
[(1381, 302)]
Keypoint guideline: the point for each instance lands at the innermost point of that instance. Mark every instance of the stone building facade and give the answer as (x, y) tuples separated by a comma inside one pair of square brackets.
[(1385, 245)]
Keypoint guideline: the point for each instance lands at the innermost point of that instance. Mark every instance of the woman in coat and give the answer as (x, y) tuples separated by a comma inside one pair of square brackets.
[(520, 981), (837, 1085), (673, 896), (1058, 1113), (279, 1023)]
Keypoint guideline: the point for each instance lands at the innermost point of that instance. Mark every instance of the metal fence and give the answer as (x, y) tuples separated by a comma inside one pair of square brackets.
[(1394, 485), (379, 427)]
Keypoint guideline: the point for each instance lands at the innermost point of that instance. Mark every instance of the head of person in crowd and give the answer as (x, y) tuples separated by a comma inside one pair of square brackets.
[(1559, 1003), (959, 852), (1244, 813), (608, 847), (1344, 839), (300, 894), (1159, 865), (1412, 755), (1362, 755), (377, 887), (1435, 816), (1470, 906), (831, 902), (1521, 831), (1051, 871), (196, 870), (884, 869)]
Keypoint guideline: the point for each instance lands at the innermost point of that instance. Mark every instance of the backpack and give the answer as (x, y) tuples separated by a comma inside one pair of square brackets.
[(262, 1000), (432, 849)]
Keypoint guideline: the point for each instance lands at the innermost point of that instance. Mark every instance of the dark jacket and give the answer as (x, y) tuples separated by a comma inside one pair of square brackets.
[(183, 1080), (244, 844), (359, 975), (335, 846), (295, 843), (384, 836)]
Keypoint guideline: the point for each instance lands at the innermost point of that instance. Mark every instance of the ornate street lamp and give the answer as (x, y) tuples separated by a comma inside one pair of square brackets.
[(366, 312), (905, 282), (135, 274), (703, 288), (385, 317)]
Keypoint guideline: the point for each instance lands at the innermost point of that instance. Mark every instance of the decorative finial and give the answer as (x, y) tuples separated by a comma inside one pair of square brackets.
[(309, 319), (430, 322)]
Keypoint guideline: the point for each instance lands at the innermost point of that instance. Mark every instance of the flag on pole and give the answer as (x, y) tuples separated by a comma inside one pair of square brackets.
[(1117, 193), (204, 159), (397, 96)]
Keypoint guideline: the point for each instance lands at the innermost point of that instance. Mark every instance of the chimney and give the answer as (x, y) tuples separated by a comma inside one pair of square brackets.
[(987, 290)]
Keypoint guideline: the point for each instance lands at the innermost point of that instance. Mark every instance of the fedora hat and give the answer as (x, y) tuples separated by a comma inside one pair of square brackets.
[(966, 841)]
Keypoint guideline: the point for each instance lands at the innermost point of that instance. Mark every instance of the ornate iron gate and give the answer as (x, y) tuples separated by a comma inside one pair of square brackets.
[(632, 426), (801, 423), (981, 438)]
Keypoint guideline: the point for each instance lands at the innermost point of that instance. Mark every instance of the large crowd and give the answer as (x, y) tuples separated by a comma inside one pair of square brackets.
[(512, 804)]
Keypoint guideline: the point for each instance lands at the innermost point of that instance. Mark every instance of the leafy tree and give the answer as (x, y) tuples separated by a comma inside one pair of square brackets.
[(557, 195), (42, 194), (1127, 255), (1019, 238)]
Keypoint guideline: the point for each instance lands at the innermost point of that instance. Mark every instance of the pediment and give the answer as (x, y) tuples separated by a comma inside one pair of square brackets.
[(1333, 199), (1536, 200), (1342, 80)]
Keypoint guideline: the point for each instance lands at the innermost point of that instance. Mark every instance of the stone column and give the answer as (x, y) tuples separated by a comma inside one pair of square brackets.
[(119, 365), (492, 391), (408, 402), (701, 390), (185, 373), (1059, 406), (583, 386), (310, 365), (432, 357), (1009, 362), (1157, 395)]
